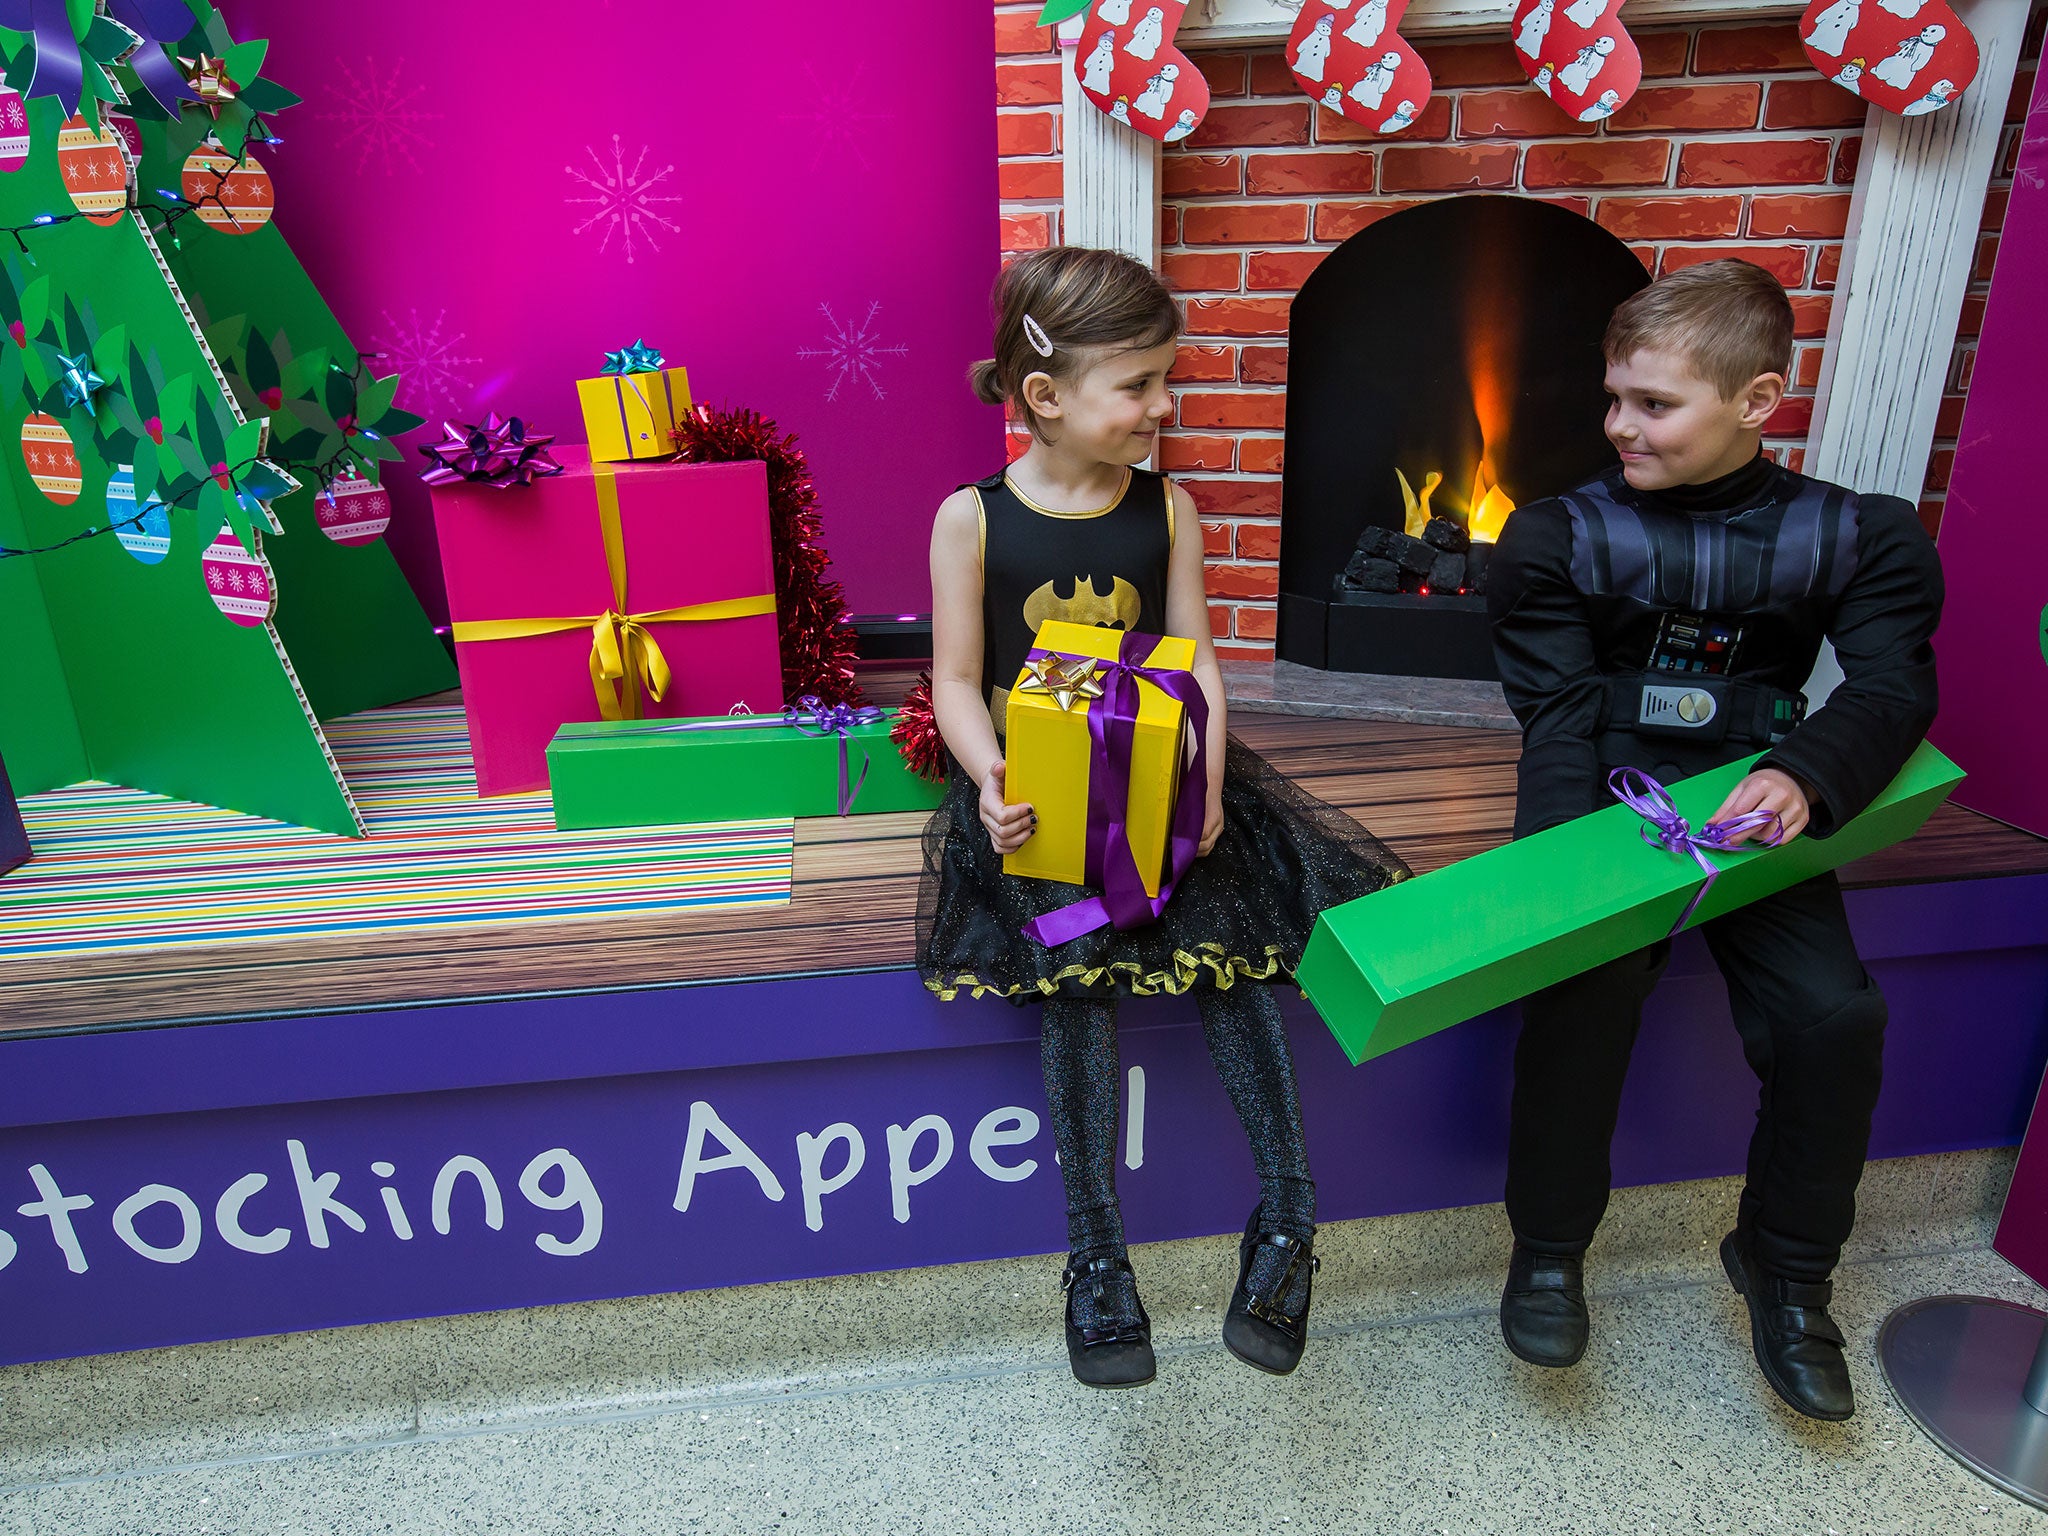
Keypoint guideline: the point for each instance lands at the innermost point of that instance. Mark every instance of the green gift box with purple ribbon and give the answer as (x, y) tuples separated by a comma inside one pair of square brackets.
[(810, 760), (1433, 951)]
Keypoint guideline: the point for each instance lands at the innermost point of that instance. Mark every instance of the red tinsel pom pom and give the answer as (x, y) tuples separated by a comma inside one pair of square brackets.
[(818, 645), (916, 732)]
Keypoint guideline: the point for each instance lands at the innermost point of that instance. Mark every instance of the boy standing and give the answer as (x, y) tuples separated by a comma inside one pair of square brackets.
[(1665, 616)]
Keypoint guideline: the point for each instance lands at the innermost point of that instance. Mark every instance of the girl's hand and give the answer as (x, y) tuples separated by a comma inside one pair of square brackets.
[(1768, 789), (1212, 822), (1008, 825)]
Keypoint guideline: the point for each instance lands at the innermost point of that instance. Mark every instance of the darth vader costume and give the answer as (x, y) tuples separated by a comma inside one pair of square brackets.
[(1672, 631)]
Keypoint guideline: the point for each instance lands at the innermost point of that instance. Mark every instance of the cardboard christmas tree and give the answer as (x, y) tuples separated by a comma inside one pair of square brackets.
[(190, 573)]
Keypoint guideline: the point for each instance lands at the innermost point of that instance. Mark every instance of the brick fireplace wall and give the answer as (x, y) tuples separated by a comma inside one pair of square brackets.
[(1733, 146)]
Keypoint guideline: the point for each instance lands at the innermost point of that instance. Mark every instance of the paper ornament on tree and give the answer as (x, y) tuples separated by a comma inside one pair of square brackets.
[(238, 581), (94, 165), (1578, 54), (13, 130), (354, 511), (52, 462), (1354, 61), (145, 534), (233, 196), (1128, 66), (1906, 56)]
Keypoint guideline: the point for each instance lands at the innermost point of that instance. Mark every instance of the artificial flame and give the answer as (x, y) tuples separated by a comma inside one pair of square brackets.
[(1489, 507), (1417, 506), (1485, 512)]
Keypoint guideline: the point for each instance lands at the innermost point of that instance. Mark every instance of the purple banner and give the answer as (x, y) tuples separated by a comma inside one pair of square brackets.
[(169, 1185)]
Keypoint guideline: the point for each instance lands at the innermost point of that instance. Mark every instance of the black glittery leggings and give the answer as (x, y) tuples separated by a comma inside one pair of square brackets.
[(1248, 1044)]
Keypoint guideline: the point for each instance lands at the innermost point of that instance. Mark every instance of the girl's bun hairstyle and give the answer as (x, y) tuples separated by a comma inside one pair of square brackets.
[(985, 380), (1080, 300)]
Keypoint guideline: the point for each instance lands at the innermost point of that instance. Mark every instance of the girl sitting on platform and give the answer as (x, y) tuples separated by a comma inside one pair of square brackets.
[(1083, 346)]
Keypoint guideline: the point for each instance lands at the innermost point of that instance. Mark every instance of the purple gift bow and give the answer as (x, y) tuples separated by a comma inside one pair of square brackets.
[(1664, 828), (823, 720), (835, 720), (1112, 727)]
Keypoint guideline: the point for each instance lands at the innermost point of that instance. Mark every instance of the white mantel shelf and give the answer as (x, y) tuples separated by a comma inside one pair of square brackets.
[(1239, 23)]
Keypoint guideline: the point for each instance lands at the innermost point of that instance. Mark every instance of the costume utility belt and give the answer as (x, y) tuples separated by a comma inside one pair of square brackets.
[(1702, 709)]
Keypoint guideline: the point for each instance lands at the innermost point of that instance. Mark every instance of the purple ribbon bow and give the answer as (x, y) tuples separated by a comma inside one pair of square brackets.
[(815, 718), (1664, 828), (1110, 863)]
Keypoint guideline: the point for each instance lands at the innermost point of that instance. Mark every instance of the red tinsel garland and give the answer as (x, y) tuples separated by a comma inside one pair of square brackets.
[(916, 732), (818, 646)]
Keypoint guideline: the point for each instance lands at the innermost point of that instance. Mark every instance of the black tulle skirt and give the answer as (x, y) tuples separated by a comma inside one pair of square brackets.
[(1243, 912)]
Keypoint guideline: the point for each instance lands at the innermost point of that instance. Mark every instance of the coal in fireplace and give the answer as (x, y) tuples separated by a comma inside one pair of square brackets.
[(1444, 363)]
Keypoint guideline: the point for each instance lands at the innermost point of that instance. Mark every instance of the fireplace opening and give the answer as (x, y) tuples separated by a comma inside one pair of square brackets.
[(1443, 365)]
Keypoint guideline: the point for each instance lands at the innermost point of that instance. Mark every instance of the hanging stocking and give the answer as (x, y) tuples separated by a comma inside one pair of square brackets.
[(1579, 54), (1128, 66), (1907, 56), (1349, 56)]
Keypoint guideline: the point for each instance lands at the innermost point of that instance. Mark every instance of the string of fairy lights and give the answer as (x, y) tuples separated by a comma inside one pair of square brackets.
[(176, 206)]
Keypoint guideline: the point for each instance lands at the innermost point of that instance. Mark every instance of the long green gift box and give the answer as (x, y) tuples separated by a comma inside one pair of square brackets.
[(1436, 950), (635, 773)]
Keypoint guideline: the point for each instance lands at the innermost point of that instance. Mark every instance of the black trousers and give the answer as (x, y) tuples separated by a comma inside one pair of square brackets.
[(1812, 1026)]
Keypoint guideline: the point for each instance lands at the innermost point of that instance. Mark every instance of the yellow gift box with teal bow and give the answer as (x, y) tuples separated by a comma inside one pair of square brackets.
[(630, 410), (1049, 751)]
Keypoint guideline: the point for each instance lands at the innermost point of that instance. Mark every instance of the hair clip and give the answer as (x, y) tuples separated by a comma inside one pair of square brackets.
[(1035, 334)]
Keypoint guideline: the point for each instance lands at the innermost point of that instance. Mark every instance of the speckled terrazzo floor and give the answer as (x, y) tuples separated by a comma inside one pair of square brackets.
[(938, 1401)]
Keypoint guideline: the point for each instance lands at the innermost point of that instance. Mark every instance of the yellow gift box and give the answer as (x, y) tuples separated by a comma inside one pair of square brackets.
[(1048, 753), (632, 415)]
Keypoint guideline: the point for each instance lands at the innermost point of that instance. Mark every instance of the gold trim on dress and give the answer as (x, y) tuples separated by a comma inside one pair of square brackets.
[(1113, 503), (1186, 972), (981, 529), (1167, 481)]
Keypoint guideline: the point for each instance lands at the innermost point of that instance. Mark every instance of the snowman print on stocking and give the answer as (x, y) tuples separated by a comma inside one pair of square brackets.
[(1578, 54), (1129, 67), (1906, 56), (1366, 71)]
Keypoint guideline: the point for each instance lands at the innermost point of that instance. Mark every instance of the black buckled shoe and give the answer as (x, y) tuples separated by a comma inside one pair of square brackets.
[(1112, 1345), (1543, 1307), (1797, 1345), (1267, 1327)]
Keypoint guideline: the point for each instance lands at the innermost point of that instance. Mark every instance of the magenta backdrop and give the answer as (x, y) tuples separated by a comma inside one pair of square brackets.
[(1994, 540), (795, 201)]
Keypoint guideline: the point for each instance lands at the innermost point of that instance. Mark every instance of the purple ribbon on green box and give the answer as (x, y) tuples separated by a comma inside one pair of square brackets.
[(810, 715), (1664, 828), (1110, 863)]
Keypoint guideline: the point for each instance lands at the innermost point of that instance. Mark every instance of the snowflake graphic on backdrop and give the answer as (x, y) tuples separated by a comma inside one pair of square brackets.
[(853, 353), (621, 198), (424, 353), (835, 120), (379, 114)]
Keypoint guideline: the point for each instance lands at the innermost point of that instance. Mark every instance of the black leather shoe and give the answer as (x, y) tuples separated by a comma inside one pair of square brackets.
[(1114, 1348), (1798, 1347), (1268, 1327), (1543, 1307)]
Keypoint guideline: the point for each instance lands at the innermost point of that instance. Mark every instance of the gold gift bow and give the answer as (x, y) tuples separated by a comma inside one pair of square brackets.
[(1064, 678), (623, 655)]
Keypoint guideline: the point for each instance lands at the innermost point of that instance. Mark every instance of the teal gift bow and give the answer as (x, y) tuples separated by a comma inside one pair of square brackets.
[(638, 358)]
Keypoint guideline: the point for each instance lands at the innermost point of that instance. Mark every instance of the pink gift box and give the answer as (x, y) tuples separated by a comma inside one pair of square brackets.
[(689, 535)]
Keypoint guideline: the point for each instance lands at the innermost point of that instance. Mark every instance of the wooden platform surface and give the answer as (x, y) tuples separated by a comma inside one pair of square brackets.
[(1434, 794)]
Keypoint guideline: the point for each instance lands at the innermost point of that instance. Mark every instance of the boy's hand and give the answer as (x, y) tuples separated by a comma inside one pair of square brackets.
[(1008, 825), (1212, 821), (1768, 789)]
